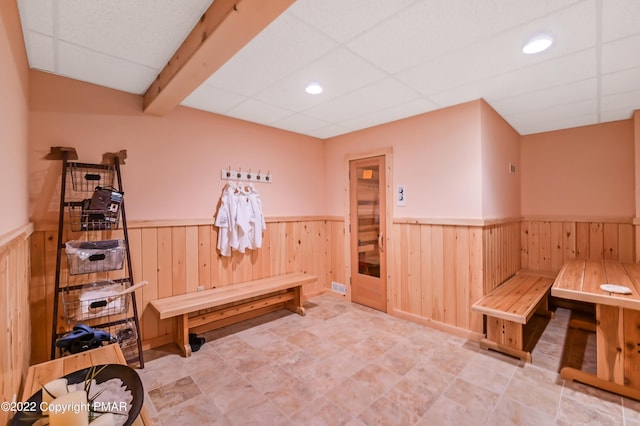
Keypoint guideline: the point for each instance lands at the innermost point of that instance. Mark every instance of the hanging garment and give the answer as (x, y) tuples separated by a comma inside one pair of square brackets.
[(257, 218), (225, 221), (243, 220)]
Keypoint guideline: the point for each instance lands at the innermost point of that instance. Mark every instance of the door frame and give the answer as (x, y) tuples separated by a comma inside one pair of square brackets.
[(387, 153)]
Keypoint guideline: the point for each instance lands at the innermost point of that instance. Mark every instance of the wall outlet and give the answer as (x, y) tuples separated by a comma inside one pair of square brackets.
[(401, 196), (200, 288)]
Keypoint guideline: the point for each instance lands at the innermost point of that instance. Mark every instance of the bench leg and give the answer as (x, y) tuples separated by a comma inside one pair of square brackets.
[(506, 337), (295, 305), (182, 334)]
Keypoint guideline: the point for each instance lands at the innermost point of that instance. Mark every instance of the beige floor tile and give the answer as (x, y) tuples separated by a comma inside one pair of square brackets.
[(345, 364), (321, 412), (168, 396), (511, 412)]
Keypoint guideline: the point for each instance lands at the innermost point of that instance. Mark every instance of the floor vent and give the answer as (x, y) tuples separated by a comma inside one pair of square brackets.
[(338, 288)]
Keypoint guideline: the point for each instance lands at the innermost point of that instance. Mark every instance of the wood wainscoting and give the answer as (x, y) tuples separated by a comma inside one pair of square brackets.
[(176, 258), (15, 323), (547, 243), (440, 270)]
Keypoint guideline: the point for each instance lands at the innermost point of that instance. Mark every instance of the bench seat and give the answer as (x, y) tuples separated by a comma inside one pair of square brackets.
[(509, 307), (220, 306)]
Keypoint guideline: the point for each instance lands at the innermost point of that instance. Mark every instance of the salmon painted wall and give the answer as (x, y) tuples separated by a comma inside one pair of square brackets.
[(174, 162), (582, 172), (500, 146), (636, 134), (435, 156), (13, 121)]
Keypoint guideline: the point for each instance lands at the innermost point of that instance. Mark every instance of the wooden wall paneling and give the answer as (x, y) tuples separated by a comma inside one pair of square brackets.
[(426, 272), (524, 244), (450, 261), (50, 242), (278, 247), (476, 272), (165, 274), (149, 322), (191, 259), (544, 238), (135, 248), (596, 240), (610, 250), (414, 271), (463, 307), (178, 260), (402, 276), (625, 242), (557, 246), (338, 271), (437, 270), (396, 294), (534, 246), (37, 296), (266, 254), (205, 248), (582, 240), (292, 243), (15, 317), (569, 241)]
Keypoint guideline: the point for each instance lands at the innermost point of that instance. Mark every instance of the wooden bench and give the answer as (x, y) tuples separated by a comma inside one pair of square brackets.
[(509, 307), (217, 307)]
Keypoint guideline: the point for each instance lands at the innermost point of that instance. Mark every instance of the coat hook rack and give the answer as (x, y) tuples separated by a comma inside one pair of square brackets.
[(229, 174)]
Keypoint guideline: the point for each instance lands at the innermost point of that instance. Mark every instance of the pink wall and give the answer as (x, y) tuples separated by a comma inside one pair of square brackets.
[(435, 155), (500, 146), (586, 171), (174, 162), (13, 121), (636, 134)]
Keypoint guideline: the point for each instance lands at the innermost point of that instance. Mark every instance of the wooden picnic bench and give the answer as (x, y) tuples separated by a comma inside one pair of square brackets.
[(509, 307), (220, 306)]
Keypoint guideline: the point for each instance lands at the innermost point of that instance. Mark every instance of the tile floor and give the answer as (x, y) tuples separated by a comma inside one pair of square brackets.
[(346, 364)]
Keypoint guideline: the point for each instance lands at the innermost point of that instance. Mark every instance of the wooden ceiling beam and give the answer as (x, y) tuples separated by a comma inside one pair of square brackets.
[(225, 28)]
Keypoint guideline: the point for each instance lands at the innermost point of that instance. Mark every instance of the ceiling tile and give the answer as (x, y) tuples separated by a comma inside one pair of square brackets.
[(409, 109), (382, 94), (431, 28), (526, 126), (629, 99), (553, 73), (615, 115), (271, 56), (620, 19), (85, 65), (40, 51), (137, 31), (620, 55), (329, 131), (572, 27), (343, 20), (550, 118), (258, 112), (339, 72), (37, 15), (212, 99), (540, 99), (620, 82), (300, 123)]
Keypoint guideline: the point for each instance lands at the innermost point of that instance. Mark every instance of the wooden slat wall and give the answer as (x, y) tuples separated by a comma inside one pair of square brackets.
[(177, 259), (547, 244), (501, 253), (14, 317), (441, 270)]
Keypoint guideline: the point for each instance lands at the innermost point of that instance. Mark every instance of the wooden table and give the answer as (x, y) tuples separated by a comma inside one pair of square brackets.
[(617, 322), (42, 373)]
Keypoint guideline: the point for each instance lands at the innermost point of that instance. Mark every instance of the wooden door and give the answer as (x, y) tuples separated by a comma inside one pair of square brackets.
[(368, 232)]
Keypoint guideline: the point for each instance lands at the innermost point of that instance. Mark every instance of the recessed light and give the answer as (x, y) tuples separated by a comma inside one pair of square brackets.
[(537, 44), (313, 88)]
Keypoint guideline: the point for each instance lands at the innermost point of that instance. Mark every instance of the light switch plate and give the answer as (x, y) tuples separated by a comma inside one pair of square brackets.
[(401, 196)]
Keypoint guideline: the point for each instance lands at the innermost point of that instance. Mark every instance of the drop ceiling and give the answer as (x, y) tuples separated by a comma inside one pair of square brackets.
[(378, 60)]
